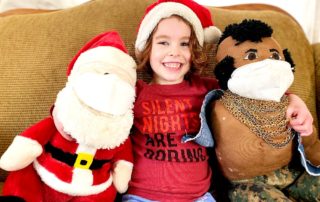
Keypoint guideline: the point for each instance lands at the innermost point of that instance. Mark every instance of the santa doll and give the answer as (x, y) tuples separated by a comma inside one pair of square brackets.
[(82, 151)]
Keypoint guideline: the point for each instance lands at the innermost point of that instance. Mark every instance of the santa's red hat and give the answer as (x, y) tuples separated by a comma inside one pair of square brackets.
[(105, 49), (198, 15)]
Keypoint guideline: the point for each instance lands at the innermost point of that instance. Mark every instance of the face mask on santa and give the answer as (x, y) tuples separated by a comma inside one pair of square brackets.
[(104, 93), (264, 80)]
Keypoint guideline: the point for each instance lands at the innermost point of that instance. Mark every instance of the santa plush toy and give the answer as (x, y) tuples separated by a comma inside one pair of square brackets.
[(82, 151)]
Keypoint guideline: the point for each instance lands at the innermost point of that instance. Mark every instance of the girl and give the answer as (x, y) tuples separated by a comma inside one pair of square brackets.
[(169, 46)]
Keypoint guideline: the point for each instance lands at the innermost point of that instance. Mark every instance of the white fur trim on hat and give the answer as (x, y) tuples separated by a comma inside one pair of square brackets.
[(164, 10), (212, 34), (111, 58)]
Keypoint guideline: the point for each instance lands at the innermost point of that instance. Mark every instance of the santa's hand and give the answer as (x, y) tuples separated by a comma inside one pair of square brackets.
[(300, 117), (20, 153), (121, 175)]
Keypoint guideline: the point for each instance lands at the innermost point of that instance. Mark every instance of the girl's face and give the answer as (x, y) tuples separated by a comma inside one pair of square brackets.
[(170, 53)]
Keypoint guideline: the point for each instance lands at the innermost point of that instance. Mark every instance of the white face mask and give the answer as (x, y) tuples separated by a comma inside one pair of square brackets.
[(264, 80), (105, 93)]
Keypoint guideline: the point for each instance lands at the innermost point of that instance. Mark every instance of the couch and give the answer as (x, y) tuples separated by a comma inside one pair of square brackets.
[(36, 48)]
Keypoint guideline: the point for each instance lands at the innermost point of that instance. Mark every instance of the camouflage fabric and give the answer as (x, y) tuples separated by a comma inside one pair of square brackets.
[(285, 184), (306, 188)]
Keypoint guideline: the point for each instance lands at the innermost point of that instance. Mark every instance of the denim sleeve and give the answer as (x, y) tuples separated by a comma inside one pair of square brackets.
[(311, 169), (205, 137)]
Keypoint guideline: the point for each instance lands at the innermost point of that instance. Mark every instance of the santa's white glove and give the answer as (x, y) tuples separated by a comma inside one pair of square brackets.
[(20, 153), (121, 175)]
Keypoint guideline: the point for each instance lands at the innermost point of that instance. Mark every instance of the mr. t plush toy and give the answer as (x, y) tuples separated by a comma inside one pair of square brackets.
[(82, 151), (256, 150)]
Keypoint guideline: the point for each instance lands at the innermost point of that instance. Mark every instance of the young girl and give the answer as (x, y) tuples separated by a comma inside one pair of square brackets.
[(169, 46)]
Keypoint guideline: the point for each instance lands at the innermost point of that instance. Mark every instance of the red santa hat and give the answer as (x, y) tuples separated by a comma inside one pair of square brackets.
[(198, 15), (107, 49)]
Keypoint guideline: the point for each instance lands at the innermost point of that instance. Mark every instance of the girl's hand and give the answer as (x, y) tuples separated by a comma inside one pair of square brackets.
[(300, 117)]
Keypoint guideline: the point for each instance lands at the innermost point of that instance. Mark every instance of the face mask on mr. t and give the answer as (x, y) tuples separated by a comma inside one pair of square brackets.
[(264, 80)]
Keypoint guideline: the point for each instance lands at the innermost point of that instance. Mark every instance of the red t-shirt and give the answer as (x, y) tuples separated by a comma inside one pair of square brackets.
[(164, 168)]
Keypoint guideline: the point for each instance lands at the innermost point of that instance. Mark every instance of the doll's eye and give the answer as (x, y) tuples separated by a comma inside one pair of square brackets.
[(106, 73), (251, 55), (275, 56)]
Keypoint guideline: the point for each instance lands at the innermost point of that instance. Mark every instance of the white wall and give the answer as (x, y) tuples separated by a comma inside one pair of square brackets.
[(38, 4), (306, 12)]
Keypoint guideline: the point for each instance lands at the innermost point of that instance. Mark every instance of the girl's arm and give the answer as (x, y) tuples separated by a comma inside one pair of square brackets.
[(299, 115)]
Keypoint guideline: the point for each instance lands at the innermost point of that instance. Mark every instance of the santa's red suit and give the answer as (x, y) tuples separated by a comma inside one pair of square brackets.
[(66, 167)]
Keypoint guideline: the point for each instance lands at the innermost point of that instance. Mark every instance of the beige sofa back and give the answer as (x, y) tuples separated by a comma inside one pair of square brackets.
[(35, 50)]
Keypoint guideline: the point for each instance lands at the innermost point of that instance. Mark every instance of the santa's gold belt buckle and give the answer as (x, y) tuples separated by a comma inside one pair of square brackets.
[(83, 161)]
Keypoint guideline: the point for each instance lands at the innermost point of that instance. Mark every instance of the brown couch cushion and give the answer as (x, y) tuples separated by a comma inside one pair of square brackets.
[(316, 56), (35, 50)]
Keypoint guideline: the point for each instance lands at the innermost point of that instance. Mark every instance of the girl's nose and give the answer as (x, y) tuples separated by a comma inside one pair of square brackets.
[(174, 51)]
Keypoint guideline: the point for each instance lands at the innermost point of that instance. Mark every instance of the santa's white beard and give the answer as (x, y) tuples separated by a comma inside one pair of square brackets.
[(88, 126)]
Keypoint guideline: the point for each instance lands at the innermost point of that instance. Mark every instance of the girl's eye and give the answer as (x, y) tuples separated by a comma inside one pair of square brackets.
[(185, 44), (163, 43), (251, 55), (106, 73), (275, 56)]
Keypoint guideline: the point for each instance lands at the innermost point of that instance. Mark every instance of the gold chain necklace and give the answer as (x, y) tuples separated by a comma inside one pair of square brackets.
[(266, 119)]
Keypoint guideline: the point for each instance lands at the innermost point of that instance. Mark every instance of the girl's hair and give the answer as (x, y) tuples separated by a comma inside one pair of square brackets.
[(198, 54)]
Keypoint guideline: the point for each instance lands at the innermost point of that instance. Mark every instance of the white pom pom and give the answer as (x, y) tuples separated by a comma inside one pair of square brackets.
[(212, 34)]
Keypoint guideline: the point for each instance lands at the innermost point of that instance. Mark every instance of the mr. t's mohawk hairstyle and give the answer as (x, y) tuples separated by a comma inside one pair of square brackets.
[(247, 30)]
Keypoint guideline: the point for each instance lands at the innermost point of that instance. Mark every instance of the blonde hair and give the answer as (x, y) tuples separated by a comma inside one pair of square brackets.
[(199, 58)]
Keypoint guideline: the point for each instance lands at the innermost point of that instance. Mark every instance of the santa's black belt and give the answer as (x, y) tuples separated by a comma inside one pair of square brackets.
[(76, 160)]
